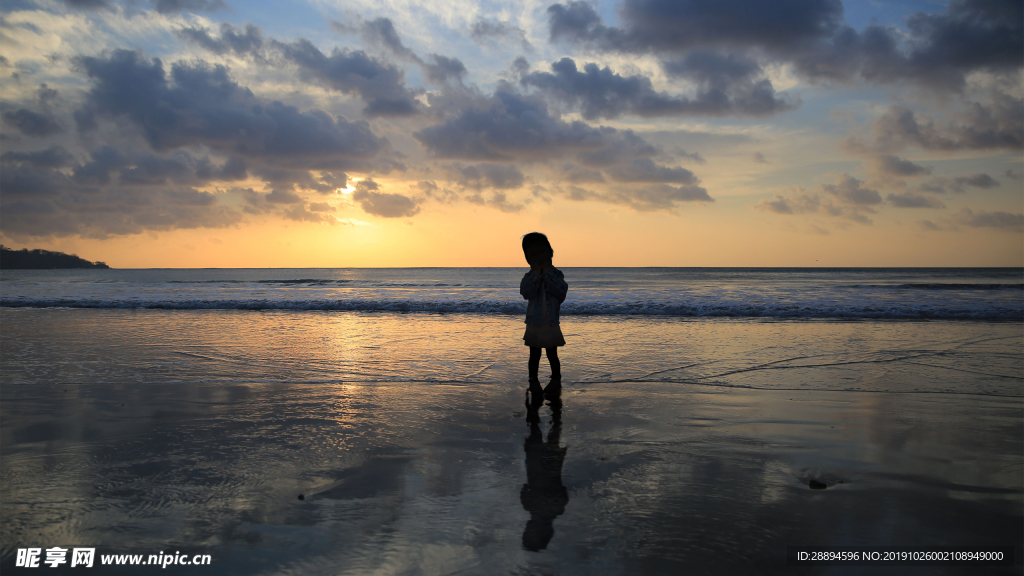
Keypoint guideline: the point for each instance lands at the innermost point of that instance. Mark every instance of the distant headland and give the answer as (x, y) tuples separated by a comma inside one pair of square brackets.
[(37, 259)]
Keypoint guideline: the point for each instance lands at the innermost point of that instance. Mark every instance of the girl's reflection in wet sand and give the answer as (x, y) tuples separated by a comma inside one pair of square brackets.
[(543, 496)]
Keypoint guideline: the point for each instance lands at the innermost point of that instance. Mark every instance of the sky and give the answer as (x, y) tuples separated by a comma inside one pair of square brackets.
[(359, 133)]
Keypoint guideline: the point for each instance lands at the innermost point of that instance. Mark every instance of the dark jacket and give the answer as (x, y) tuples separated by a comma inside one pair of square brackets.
[(549, 286)]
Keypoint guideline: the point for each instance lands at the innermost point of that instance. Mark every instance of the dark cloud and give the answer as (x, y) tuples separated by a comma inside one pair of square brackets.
[(977, 181), (758, 158), (851, 190), (439, 69), (443, 69), (601, 93), (34, 182), (620, 146), (677, 25), (505, 127), (312, 213), (54, 206), (89, 4), (1012, 175), (488, 175), (644, 199), (997, 125), (204, 106), (380, 85), (201, 127), (484, 30), (645, 170), (321, 207), (896, 166), (383, 204), (154, 170), (495, 200), (173, 6), (234, 168), (939, 51), (803, 202), (913, 201), (799, 203), (52, 157), (97, 172), (570, 172), (46, 94), (32, 123), (382, 31), (959, 184), (231, 39), (998, 219), (659, 197), (282, 196), (287, 179)]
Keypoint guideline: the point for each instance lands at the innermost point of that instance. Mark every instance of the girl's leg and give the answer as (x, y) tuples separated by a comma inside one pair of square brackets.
[(534, 362), (556, 365)]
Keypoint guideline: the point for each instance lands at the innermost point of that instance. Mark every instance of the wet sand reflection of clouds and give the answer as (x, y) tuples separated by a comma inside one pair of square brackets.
[(407, 462)]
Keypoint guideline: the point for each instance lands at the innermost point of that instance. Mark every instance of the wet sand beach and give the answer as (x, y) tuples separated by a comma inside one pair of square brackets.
[(410, 440)]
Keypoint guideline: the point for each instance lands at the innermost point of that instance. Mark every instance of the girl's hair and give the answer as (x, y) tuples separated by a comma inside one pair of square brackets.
[(536, 240)]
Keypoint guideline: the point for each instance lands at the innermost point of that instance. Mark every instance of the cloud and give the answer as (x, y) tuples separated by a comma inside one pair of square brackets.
[(439, 69), (380, 85), (799, 203), (643, 199), (758, 158), (569, 172), (484, 30), (231, 39), (645, 170), (959, 184), (601, 93), (851, 190), (505, 127), (977, 181), (313, 213), (53, 157), (496, 200), (383, 204), (501, 176), (802, 202), (203, 106), (509, 127), (283, 196), (999, 125), (173, 6), (659, 197), (896, 166), (999, 220), (167, 132), (89, 4), (321, 207), (913, 201), (32, 123), (381, 31), (939, 51), (679, 25)]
